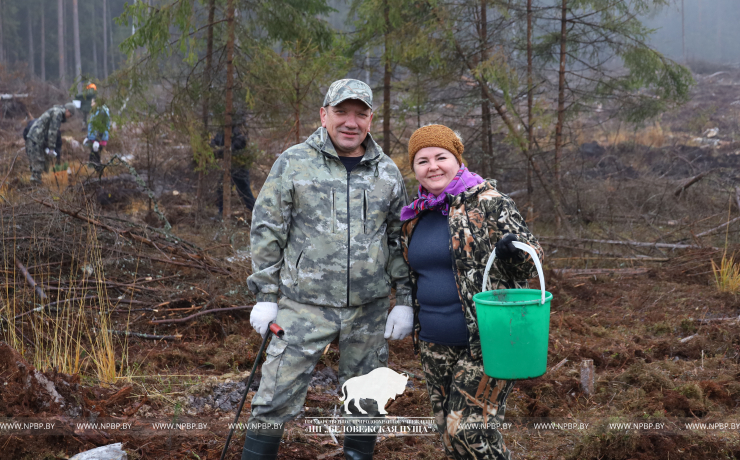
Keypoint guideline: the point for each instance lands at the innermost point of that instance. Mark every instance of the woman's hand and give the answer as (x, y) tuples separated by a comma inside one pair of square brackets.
[(506, 250)]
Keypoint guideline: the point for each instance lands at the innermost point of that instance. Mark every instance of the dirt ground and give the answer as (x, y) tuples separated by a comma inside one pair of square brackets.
[(634, 328), (665, 343)]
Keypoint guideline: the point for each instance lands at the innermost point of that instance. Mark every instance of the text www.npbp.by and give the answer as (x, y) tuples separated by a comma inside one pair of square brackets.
[(561, 426), (103, 426), (180, 426), (27, 426), (636, 426)]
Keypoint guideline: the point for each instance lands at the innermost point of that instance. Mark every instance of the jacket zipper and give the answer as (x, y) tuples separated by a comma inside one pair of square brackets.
[(457, 280), (349, 233)]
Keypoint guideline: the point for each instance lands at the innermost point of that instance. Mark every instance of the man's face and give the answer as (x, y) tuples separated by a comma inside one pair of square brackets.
[(347, 123), (67, 114)]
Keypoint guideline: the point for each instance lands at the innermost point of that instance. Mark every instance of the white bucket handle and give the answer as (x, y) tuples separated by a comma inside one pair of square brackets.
[(524, 247)]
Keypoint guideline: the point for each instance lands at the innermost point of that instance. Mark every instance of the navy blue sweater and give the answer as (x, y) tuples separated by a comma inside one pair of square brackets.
[(441, 315)]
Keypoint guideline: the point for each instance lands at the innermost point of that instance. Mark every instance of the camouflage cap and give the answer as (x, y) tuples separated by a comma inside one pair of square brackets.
[(71, 107), (341, 90)]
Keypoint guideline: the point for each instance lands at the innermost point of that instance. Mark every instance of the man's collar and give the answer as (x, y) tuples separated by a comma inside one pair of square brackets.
[(372, 149)]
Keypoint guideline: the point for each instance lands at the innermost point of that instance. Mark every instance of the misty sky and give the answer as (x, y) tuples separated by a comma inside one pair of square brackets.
[(712, 29)]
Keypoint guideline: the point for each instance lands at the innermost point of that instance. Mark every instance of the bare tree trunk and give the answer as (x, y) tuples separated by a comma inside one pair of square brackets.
[(110, 40), (78, 58), (60, 44), (486, 104), (43, 44), (386, 83), (105, 38), (561, 106), (530, 121), (297, 109), (206, 96), (228, 109), (2, 47), (31, 60), (683, 33), (93, 22)]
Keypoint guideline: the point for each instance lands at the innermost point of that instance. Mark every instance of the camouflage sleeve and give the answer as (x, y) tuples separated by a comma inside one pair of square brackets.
[(54, 124), (397, 269), (508, 220), (269, 234)]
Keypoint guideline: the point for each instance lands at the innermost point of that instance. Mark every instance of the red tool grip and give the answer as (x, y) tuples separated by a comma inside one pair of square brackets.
[(277, 330)]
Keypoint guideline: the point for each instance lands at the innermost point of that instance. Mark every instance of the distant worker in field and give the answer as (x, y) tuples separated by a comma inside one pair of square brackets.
[(98, 130), (326, 252), (241, 160), (86, 97), (58, 145), (41, 140)]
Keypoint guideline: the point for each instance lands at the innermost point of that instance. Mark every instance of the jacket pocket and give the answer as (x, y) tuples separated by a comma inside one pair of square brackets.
[(364, 211), (298, 260), (289, 273), (269, 382), (333, 211)]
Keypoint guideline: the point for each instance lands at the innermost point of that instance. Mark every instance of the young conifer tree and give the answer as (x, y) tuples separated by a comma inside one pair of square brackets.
[(200, 58), (582, 52)]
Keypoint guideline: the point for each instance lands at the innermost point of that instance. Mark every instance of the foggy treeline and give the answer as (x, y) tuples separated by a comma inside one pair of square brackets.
[(685, 30), (30, 31), (510, 75)]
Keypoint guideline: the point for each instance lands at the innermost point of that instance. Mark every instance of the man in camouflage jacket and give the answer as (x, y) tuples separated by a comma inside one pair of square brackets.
[(478, 218), (42, 136), (325, 245)]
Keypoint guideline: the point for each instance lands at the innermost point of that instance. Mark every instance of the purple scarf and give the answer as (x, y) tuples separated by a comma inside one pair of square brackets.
[(463, 180)]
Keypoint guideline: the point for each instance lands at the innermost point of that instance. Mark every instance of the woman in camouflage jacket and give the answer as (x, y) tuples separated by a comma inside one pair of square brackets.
[(456, 221)]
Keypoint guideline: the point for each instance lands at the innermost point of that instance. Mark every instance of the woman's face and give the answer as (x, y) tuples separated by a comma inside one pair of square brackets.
[(434, 168)]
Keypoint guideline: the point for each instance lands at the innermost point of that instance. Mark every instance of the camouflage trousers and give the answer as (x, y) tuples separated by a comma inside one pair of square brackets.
[(290, 361), (467, 404), (37, 159)]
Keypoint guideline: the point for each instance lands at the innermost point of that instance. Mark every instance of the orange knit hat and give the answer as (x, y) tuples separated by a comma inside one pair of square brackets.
[(435, 136)]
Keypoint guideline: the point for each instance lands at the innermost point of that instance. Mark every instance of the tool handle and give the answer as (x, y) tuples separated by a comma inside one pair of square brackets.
[(526, 248), (277, 330)]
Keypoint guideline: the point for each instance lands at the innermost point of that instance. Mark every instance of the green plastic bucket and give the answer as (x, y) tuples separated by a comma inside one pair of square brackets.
[(514, 326)]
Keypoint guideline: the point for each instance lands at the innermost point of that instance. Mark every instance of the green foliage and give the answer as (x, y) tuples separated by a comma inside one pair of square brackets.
[(607, 59), (691, 390), (284, 81), (154, 28), (202, 151), (283, 51), (294, 21), (663, 82)]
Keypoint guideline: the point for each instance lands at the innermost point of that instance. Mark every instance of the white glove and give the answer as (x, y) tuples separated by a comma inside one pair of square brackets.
[(96, 146), (400, 322), (86, 141), (46, 150), (50, 152), (263, 313)]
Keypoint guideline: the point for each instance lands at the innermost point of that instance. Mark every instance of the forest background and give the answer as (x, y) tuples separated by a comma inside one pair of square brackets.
[(613, 124), (505, 68)]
